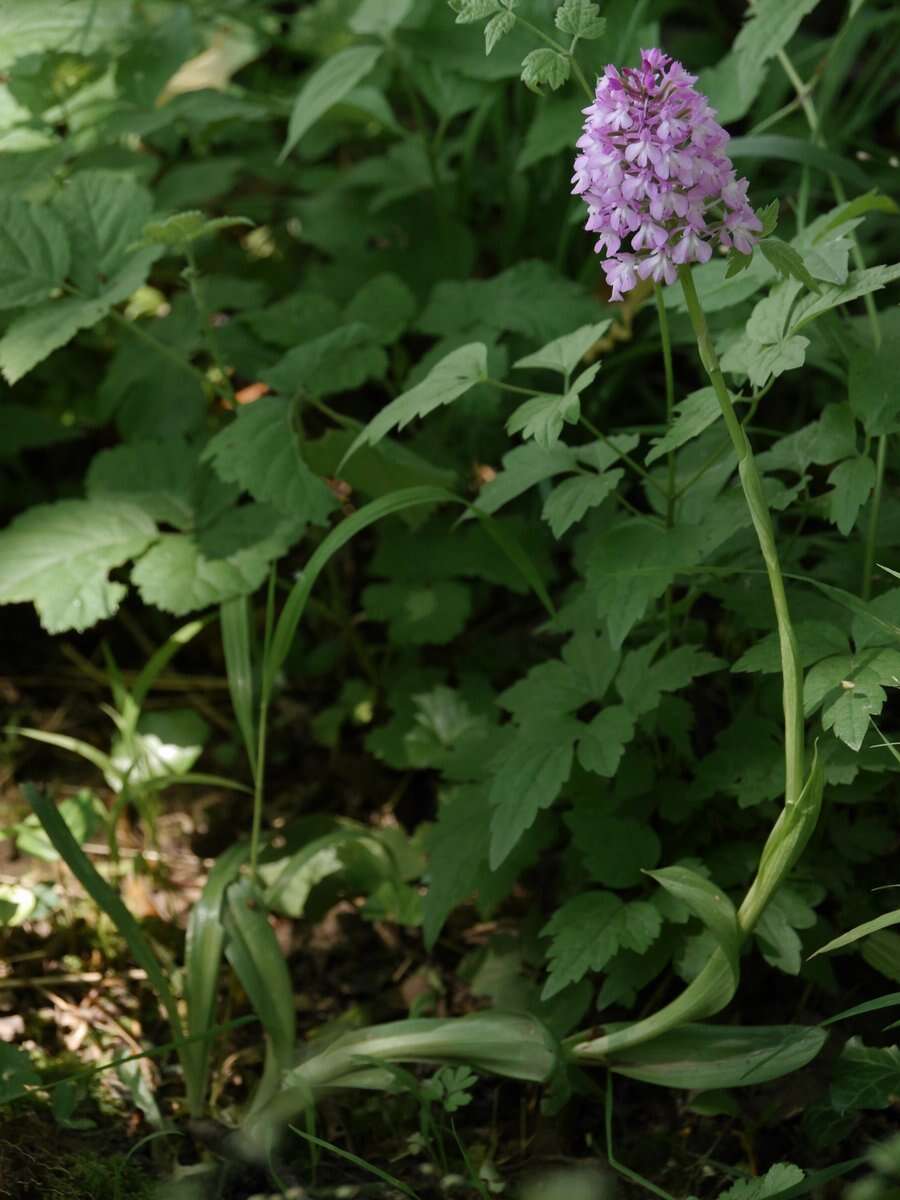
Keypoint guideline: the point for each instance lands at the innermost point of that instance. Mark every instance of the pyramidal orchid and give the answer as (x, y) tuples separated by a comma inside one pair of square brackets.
[(653, 171)]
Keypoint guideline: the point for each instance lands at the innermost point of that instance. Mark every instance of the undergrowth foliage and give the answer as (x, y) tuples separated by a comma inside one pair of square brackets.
[(598, 570)]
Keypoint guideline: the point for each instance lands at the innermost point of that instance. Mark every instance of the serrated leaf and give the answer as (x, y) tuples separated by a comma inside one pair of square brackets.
[(103, 213), (530, 774), (564, 354), (776, 1180), (428, 614), (157, 476), (580, 18), (473, 10), (849, 715), (589, 929), (641, 684), (603, 743), (694, 414), (496, 28), (523, 467), (787, 261), (183, 228), (259, 450), (542, 418), (176, 576), (872, 385), (34, 252), (571, 499), (326, 86), (865, 1076), (545, 66), (859, 283), (59, 556), (338, 361), (852, 482), (385, 304), (614, 850), (443, 384)]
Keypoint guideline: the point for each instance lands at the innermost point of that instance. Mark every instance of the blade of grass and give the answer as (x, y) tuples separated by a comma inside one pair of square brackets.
[(237, 643), (384, 1176), (159, 660)]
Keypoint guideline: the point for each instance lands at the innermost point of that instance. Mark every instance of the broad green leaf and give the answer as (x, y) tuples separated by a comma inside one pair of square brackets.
[(815, 640), (571, 499), (702, 1057), (39, 331), (59, 556), (104, 213), (429, 614), (588, 930), (338, 361), (614, 850), (778, 1179), (523, 467), (694, 414), (872, 384), (178, 577), (641, 681), (852, 482), (444, 383), (787, 261), (34, 252), (384, 304), (555, 128), (379, 17), (565, 353), (776, 930), (859, 283), (16, 1072), (865, 1077), (850, 714), (603, 743), (498, 26), (545, 66), (580, 18), (81, 814), (326, 86), (159, 477), (260, 451), (473, 10), (530, 773), (710, 904), (164, 745)]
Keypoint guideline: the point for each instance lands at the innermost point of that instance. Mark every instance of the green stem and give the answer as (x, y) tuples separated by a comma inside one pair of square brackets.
[(567, 52), (874, 512), (259, 766), (752, 484)]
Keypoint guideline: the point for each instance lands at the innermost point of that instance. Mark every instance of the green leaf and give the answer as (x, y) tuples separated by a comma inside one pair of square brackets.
[(776, 1180), (865, 1077), (786, 912), (444, 383), (860, 931), (498, 26), (872, 384), (850, 714), (786, 260), (260, 451), (159, 477), (338, 361), (852, 482), (59, 556), (184, 228), (42, 329), (859, 283), (523, 468), (542, 418), (580, 18), (430, 614), (468, 11), (703, 1057), (379, 17), (530, 773), (570, 500), (34, 252), (104, 213), (326, 86), (385, 304), (178, 577), (798, 150), (564, 354), (694, 414), (588, 930), (16, 1073), (545, 66), (603, 743), (641, 684), (614, 850), (554, 129)]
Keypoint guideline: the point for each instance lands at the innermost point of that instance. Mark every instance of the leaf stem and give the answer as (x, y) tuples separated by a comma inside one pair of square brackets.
[(560, 49), (792, 680)]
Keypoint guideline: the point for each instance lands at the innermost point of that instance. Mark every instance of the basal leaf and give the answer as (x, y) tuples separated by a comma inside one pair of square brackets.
[(59, 556)]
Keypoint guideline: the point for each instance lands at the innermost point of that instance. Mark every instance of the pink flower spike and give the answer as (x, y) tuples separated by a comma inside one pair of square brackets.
[(654, 172)]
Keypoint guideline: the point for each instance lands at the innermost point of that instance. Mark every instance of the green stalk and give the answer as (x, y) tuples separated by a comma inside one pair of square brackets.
[(752, 484)]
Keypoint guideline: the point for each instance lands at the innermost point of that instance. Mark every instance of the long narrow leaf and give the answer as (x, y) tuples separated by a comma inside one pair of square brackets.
[(860, 931), (253, 951), (202, 960), (159, 660), (798, 150), (237, 643), (64, 742), (860, 1010), (105, 898)]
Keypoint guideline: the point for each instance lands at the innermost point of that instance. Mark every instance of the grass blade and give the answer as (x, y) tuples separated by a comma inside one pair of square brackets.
[(237, 643), (860, 931), (159, 660), (384, 1176)]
